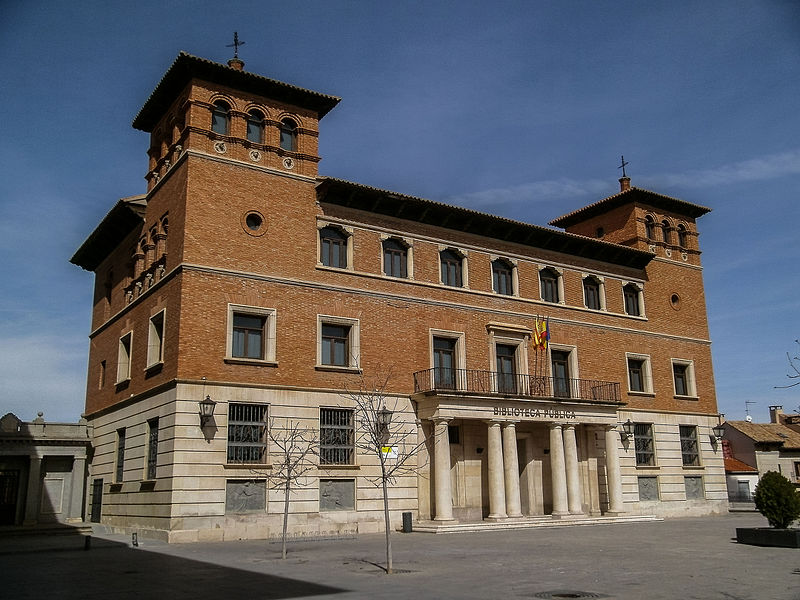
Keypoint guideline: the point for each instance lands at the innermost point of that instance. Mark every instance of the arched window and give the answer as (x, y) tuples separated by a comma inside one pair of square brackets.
[(452, 268), (220, 118), (255, 127), (548, 281), (667, 231), (649, 227), (632, 296), (591, 293), (289, 135), (682, 237), (503, 277), (333, 247), (395, 258)]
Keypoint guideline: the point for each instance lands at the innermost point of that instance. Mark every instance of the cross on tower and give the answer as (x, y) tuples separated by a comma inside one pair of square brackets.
[(235, 45), (623, 165)]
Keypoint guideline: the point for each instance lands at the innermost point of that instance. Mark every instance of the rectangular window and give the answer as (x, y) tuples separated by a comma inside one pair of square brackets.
[(337, 342), (683, 378), (119, 470), (506, 368), (155, 340), (124, 357), (336, 436), (335, 350), (152, 449), (444, 363), (245, 496), (562, 381), (251, 333), (636, 375), (337, 494), (248, 336), (694, 487), (643, 441), (247, 433), (648, 488), (689, 450), (639, 377)]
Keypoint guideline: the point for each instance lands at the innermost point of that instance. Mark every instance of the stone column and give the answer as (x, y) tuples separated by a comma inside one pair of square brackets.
[(573, 475), (33, 498), (75, 512), (443, 495), (511, 470), (558, 471), (497, 492), (613, 472)]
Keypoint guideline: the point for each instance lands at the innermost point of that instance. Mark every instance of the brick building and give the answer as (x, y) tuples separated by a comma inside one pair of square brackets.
[(244, 276)]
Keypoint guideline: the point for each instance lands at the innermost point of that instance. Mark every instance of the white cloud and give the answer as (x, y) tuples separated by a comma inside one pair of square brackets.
[(754, 169), (528, 193)]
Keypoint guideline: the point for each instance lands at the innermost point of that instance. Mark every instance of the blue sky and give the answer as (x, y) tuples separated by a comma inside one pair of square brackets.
[(516, 108)]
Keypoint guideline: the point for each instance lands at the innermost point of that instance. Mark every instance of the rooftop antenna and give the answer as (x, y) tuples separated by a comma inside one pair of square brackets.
[(235, 45), (747, 404)]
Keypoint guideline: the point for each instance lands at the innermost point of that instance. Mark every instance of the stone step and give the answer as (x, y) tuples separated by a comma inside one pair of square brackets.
[(527, 523)]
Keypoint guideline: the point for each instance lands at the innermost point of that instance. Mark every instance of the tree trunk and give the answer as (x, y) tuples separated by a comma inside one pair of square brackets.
[(285, 518), (386, 519)]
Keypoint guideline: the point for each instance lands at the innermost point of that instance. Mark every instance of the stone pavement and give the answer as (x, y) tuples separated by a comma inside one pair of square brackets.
[(690, 558)]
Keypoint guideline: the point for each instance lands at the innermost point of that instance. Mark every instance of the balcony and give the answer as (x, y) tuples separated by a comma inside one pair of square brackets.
[(460, 381)]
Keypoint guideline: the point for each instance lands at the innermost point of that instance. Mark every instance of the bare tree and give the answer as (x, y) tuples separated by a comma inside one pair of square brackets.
[(292, 449), (392, 441), (794, 369)]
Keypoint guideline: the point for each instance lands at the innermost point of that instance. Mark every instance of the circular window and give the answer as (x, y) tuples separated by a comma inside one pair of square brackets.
[(253, 223), (675, 301)]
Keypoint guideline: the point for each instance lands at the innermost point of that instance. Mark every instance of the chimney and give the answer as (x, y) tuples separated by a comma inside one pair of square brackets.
[(775, 414), (236, 63), (624, 184)]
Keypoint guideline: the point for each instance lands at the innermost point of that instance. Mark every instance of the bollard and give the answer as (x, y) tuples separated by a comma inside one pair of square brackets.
[(87, 542), (407, 522)]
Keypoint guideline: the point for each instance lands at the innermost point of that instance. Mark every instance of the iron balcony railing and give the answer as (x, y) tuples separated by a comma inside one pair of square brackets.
[(512, 384)]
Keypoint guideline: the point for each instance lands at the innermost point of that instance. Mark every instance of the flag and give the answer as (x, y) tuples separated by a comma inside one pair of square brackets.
[(535, 335), (544, 333)]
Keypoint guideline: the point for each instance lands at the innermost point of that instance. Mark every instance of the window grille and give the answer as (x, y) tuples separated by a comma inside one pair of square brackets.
[(247, 433), (643, 438), (337, 436), (689, 451), (152, 448)]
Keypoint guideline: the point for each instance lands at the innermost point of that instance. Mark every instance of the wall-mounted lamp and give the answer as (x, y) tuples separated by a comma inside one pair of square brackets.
[(206, 410), (627, 429)]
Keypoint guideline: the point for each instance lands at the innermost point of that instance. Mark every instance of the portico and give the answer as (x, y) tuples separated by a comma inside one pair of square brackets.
[(501, 460)]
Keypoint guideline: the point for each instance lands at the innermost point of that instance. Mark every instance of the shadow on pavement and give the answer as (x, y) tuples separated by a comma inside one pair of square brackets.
[(111, 569)]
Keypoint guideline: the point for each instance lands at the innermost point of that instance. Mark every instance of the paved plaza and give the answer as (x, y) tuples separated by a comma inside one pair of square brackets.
[(691, 558)]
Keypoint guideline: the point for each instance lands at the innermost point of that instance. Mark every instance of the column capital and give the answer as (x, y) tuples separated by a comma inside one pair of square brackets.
[(610, 427), (491, 422), (568, 425), (555, 424), (437, 420)]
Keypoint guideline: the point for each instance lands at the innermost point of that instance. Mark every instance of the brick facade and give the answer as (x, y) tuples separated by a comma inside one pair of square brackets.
[(231, 222)]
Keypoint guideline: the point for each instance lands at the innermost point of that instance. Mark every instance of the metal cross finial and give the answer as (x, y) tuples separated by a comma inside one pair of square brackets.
[(235, 45), (623, 165)]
